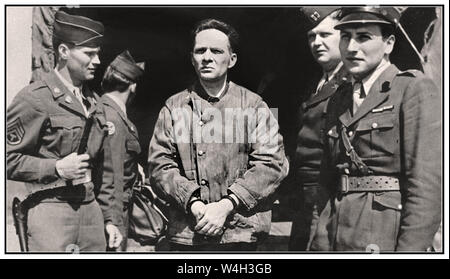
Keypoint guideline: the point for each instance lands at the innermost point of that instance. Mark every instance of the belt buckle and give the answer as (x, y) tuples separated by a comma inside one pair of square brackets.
[(344, 184)]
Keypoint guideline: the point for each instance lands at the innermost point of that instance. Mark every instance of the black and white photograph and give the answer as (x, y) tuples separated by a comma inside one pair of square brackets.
[(222, 129)]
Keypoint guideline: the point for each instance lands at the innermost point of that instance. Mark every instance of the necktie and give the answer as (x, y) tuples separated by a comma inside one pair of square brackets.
[(358, 95), (84, 102)]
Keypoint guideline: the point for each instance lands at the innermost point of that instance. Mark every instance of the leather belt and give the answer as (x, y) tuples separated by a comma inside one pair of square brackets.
[(369, 183)]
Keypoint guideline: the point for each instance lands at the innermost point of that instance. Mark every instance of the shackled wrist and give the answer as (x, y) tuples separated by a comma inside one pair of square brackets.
[(233, 202)]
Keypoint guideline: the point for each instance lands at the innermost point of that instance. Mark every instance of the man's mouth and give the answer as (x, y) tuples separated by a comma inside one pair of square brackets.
[(354, 59)]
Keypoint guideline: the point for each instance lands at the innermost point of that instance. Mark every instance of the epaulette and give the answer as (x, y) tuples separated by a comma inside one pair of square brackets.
[(410, 72), (36, 85)]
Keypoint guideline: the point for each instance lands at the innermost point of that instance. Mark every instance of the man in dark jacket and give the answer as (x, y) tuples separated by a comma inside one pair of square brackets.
[(323, 41), (383, 148), (216, 153)]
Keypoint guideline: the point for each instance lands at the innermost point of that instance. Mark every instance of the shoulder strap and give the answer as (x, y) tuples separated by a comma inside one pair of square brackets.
[(350, 151)]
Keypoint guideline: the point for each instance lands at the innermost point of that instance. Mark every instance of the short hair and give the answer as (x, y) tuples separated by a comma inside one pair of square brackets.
[(56, 42), (115, 81), (210, 23), (387, 30)]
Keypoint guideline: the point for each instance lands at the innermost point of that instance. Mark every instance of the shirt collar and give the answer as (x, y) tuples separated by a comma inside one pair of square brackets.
[(335, 71), (118, 102), (68, 84), (198, 87), (368, 81), (325, 78)]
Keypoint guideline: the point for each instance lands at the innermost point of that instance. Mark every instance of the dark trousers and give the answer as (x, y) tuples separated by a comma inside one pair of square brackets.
[(306, 219), (228, 247)]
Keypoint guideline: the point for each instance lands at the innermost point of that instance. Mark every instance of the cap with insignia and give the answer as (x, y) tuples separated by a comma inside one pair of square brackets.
[(125, 64), (78, 30), (368, 15), (316, 14)]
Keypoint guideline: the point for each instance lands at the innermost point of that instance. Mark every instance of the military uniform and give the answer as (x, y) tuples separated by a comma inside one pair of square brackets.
[(308, 155), (123, 143), (121, 150), (45, 123), (382, 162), (308, 161)]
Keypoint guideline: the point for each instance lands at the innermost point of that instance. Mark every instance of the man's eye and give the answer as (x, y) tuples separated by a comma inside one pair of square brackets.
[(199, 51), (363, 37)]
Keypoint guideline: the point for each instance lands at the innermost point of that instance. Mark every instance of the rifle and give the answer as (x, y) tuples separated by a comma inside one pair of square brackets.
[(85, 136), (20, 222), (20, 208)]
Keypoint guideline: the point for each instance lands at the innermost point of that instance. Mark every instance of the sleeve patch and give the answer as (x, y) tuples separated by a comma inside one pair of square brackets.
[(15, 132)]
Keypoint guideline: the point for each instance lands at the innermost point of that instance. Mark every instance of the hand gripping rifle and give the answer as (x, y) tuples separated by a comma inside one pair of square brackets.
[(20, 208)]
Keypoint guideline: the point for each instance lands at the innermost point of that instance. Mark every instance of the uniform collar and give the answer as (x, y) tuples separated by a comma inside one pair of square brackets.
[(68, 84), (119, 102), (368, 81)]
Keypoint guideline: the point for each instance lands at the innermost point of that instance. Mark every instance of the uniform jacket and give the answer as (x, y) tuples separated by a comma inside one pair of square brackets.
[(45, 123), (397, 132), (252, 170), (120, 169), (310, 135)]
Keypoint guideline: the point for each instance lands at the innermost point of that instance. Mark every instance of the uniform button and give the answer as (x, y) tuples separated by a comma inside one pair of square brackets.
[(347, 171), (201, 152), (200, 123), (330, 132), (350, 133), (56, 90), (203, 182), (374, 125), (400, 206)]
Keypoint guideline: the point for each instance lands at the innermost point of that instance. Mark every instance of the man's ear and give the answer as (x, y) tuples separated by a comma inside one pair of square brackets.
[(192, 58), (233, 60), (390, 42), (133, 88), (63, 51)]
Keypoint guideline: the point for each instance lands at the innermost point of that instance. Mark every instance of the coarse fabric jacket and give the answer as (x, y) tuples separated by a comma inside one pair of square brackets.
[(197, 146)]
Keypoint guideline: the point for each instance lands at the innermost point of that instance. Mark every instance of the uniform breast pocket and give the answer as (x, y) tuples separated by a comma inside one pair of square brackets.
[(65, 133), (376, 136), (133, 146)]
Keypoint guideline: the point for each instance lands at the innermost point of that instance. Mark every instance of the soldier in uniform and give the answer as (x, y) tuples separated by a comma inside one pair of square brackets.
[(120, 166), (323, 41), (382, 155), (45, 124), (219, 188)]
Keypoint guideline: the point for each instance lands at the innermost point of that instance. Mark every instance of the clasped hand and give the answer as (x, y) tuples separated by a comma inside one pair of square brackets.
[(211, 217)]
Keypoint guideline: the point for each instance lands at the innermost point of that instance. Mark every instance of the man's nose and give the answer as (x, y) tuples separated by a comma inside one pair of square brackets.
[(96, 60), (317, 41), (352, 45), (207, 55)]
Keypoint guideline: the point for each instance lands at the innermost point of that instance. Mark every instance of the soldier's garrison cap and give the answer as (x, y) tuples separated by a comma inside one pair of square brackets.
[(78, 30), (125, 64), (368, 15), (316, 14)]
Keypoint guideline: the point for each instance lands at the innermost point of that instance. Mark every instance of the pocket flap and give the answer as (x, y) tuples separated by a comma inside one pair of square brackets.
[(391, 199), (63, 120), (380, 122), (133, 145)]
